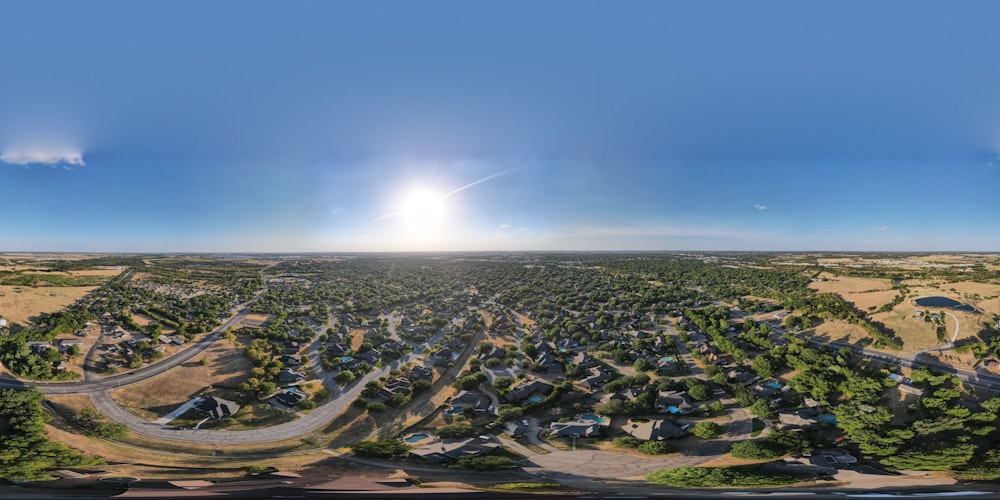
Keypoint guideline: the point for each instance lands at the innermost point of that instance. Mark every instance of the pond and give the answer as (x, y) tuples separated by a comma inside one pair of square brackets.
[(944, 302)]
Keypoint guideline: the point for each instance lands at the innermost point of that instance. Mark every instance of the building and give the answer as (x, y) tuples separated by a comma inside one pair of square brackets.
[(449, 450), (575, 428), (653, 429), (214, 407), (524, 392)]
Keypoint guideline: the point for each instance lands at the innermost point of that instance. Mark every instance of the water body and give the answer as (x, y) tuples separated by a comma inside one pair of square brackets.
[(946, 303)]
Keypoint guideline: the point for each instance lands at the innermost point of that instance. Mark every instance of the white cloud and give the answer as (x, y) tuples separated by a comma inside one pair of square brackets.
[(506, 226), (42, 157), (761, 207), (824, 230), (882, 228)]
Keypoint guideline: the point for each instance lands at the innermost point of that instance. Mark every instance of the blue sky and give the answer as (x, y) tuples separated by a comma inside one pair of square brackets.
[(243, 126)]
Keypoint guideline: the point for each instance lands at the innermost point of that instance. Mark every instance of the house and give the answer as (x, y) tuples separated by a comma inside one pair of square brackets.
[(290, 347), (289, 360), (422, 373), (337, 350), (289, 376), (475, 399), (448, 450), (574, 428), (801, 418), (545, 361), (443, 356), (289, 398), (627, 394), (214, 407), (584, 360), (65, 344), (672, 402), (515, 428), (398, 385), (652, 429), (38, 346), (597, 379), (525, 391), (371, 357)]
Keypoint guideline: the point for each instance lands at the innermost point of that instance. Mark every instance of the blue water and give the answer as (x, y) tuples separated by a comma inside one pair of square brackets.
[(455, 355), (772, 384), (534, 399), (346, 358), (674, 409), (828, 418), (413, 438), (454, 410), (667, 358), (595, 418), (944, 302)]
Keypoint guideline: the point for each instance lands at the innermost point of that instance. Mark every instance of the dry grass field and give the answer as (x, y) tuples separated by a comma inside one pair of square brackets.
[(158, 396), (914, 332), (28, 302), (841, 331)]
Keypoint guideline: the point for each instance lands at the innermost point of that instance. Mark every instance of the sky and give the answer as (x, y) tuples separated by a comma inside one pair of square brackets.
[(344, 126)]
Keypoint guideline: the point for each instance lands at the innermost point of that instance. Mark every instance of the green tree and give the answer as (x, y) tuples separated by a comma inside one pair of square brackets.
[(706, 430)]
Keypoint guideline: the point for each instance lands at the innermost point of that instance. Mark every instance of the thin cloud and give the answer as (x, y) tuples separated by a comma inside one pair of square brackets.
[(882, 228), (824, 230), (761, 207), (51, 158), (506, 226)]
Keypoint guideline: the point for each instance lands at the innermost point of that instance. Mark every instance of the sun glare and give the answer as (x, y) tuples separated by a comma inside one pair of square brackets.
[(422, 210)]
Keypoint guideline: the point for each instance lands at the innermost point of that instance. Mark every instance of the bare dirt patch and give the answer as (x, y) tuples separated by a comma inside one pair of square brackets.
[(158, 396), (20, 304)]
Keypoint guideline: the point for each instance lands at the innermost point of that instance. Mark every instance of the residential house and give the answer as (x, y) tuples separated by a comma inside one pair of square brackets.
[(422, 373), (288, 376), (584, 360), (800, 419), (290, 347), (575, 428), (597, 378), (337, 350), (371, 357), (214, 407), (475, 399), (911, 389), (653, 429), (448, 450), (672, 402), (515, 428), (525, 391)]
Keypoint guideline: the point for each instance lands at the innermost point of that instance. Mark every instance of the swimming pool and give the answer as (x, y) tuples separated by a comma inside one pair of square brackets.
[(667, 358), (828, 418), (413, 438), (593, 417), (534, 399), (454, 410), (674, 409), (772, 384)]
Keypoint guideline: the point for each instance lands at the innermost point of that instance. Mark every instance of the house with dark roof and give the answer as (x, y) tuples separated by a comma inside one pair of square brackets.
[(337, 350), (524, 391), (289, 376), (475, 399), (515, 428), (672, 402), (422, 373), (214, 407), (449, 450), (597, 378)]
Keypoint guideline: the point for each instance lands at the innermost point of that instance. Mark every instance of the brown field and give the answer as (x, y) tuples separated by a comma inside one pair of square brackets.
[(914, 332), (158, 396), (841, 331), (849, 284), (20, 307)]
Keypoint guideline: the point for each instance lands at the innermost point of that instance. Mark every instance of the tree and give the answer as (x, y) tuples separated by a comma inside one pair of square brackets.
[(754, 450), (385, 448), (643, 365), (455, 431), (699, 391), (706, 430), (502, 383), (762, 366), (267, 388), (656, 448), (345, 377)]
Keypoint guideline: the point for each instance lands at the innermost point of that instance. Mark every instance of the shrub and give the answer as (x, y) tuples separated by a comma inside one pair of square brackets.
[(754, 450), (626, 442), (376, 407), (656, 448), (383, 448), (455, 431), (702, 477), (483, 463), (706, 430)]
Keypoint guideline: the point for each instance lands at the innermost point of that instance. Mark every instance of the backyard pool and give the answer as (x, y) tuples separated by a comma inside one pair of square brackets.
[(828, 418), (413, 438), (593, 417), (674, 409), (772, 384), (667, 358), (534, 399), (454, 410)]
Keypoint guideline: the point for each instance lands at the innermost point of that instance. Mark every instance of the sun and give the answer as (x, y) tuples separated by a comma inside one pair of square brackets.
[(422, 210)]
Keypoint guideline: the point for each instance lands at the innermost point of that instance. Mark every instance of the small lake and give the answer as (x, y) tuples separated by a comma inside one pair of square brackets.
[(944, 302)]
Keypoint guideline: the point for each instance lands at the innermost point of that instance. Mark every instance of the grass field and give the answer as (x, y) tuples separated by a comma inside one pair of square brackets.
[(158, 396), (26, 303)]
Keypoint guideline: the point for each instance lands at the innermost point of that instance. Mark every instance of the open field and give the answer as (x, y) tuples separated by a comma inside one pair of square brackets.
[(841, 331), (28, 302), (158, 396), (915, 333)]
